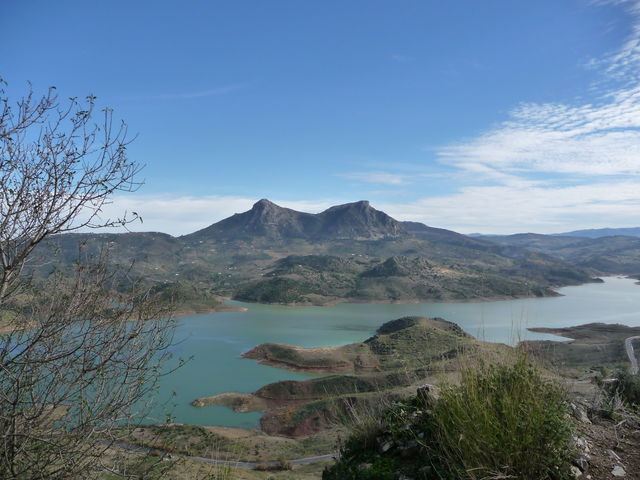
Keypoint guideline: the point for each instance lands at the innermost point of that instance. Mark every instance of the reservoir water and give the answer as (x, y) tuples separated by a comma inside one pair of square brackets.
[(215, 341)]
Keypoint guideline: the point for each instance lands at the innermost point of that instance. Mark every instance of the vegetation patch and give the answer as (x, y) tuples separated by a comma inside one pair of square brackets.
[(408, 342), (191, 440), (625, 386), (501, 421), (591, 345), (275, 290), (185, 295)]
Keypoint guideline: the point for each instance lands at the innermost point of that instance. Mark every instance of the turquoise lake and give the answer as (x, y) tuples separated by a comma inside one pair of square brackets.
[(216, 341)]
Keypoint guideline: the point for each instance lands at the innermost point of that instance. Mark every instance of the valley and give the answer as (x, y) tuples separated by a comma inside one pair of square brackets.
[(388, 366), (318, 318), (221, 339), (349, 252)]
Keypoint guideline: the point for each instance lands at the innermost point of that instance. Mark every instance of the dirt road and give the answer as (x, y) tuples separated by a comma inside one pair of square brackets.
[(131, 447), (628, 345)]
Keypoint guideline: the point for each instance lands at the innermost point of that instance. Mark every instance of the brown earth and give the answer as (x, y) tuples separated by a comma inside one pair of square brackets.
[(607, 438), (594, 344)]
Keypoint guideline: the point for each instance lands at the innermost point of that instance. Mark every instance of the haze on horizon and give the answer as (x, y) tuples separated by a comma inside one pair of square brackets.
[(492, 117)]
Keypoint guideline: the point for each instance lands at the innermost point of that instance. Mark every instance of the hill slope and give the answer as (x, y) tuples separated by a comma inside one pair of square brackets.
[(603, 232), (266, 220), (610, 255), (347, 252)]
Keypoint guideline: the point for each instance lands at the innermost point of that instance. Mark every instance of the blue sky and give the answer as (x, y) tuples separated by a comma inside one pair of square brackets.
[(493, 116)]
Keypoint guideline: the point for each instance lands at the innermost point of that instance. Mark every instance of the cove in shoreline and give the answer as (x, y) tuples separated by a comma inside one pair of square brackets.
[(217, 341)]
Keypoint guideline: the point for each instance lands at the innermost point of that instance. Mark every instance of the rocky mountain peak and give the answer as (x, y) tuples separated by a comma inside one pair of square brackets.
[(265, 210), (264, 204), (361, 205), (355, 221), (359, 220)]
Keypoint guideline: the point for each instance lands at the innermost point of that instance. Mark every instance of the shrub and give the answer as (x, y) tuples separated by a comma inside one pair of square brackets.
[(629, 387), (501, 421), (281, 465), (626, 387), (285, 464)]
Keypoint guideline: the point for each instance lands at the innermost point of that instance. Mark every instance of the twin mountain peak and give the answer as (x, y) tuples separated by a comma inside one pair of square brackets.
[(274, 254), (353, 221)]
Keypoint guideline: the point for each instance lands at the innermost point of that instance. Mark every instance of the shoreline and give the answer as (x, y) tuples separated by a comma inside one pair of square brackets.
[(356, 301), (219, 309), (240, 400), (259, 356), (330, 302)]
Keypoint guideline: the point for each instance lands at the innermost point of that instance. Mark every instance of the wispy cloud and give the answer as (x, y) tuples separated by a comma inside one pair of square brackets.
[(488, 209), (381, 178), (600, 139), (555, 164), (510, 209), (548, 167), (396, 57), (211, 92), (623, 64)]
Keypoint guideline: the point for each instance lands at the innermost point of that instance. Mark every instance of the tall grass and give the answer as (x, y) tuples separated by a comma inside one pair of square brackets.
[(502, 421), (625, 388), (629, 387)]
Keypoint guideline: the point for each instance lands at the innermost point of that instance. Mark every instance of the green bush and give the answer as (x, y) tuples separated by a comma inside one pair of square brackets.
[(629, 387), (501, 421), (285, 464), (626, 388)]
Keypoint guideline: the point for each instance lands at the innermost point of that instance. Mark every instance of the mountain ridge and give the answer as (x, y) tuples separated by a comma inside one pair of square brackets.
[(355, 221), (348, 252), (602, 232), (609, 255)]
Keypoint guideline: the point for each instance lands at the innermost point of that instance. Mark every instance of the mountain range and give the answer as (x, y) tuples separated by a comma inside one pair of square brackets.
[(266, 220), (347, 252), (619, 254), (602, 232)]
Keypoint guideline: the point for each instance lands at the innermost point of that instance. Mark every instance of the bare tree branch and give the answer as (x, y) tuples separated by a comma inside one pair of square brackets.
[(80, 355)]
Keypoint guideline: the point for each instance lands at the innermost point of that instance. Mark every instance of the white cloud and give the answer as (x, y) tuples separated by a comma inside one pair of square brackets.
[(600, 138), (383, 178), (584, 140), (510, 209), (515, 173), (179, 215), (551, 167), (624, 63), (488, 209)]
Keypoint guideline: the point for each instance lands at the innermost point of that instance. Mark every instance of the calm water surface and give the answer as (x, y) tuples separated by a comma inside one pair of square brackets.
[(216, 341)]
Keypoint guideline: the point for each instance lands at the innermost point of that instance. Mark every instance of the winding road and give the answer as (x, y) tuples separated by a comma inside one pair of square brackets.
[(628, 345), (132, 447)]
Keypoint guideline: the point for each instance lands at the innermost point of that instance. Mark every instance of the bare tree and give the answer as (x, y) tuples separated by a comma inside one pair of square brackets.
[(79, 355)]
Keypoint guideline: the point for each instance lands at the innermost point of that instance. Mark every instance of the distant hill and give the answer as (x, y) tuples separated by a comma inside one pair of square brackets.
[(273, 254), (609, 255), (602, 232)]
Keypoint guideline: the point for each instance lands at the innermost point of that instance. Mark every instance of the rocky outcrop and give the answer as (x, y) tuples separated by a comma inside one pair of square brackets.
[(352, 221)]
